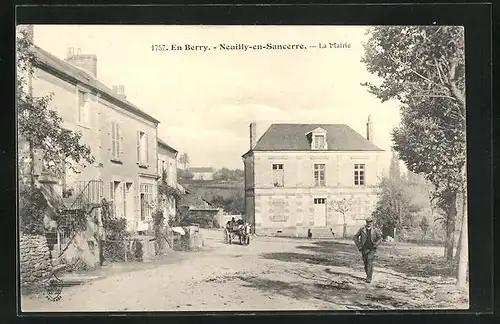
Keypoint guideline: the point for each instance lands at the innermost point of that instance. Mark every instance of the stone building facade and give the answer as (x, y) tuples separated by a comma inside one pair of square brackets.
[(295, 173)]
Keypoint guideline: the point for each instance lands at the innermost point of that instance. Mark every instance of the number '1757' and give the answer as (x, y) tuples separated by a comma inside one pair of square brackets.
[(159, 48)]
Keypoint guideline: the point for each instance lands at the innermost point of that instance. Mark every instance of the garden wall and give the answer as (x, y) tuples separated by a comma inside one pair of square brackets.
[(35, 259)]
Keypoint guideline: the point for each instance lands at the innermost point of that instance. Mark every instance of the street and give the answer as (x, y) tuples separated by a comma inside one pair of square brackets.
[(270, 274)]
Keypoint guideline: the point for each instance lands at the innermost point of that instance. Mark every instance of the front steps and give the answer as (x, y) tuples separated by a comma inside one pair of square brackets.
[(324, 233)]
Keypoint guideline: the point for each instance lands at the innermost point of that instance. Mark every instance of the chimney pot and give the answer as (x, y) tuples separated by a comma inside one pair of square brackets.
[(70, 52), (253, 135), (369, 129), (121, 89), (85, 62)]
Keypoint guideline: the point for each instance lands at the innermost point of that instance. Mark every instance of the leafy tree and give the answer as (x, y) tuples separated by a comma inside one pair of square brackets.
[(394, 171), (394, 207), (183, 175), (424, 68), (233, 204), (343, 206), (226, 174), (424, 226), (42, 131)]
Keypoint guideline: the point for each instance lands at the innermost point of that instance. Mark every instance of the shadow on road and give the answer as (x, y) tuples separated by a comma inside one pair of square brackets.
[(340, 254), (324, 294)]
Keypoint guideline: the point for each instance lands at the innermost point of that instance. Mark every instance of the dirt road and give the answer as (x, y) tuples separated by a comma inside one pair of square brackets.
[(270, 274)]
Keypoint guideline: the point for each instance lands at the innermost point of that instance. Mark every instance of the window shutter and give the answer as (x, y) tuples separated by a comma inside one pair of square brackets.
[(138, 146), (113, 147), (147, 147), (119, 141)]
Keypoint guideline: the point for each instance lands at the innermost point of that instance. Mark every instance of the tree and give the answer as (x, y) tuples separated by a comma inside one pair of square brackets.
[(424, 68), (394, 210), (42, 130), (233, 204), (184, 160), (424, 226), (394, 171), (343, 206)]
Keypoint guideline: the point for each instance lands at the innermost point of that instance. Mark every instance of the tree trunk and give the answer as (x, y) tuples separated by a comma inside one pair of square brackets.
[(463, 256), (450, 226), (344, 229), (459, 243)]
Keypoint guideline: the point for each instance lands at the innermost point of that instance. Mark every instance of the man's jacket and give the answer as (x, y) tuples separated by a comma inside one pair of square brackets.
[(362, 235)]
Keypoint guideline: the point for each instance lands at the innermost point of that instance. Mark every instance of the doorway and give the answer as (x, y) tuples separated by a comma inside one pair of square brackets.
[(319, 212)]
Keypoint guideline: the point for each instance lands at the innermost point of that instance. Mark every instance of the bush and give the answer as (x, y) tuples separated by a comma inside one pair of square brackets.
[(114, 251), (136, 254), (32, 206)]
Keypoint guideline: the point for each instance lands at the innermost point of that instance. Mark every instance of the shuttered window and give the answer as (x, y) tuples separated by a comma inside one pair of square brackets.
[(116, 140), (142, 147)]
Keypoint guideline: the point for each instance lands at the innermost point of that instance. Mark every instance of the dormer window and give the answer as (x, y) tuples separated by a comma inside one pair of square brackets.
[(319, 142), (317, 139)]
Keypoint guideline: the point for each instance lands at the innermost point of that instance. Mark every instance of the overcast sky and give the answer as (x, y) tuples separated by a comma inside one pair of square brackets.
[(206, 100)]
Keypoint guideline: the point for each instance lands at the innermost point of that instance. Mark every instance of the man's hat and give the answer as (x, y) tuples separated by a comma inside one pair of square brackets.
[(369, 220)]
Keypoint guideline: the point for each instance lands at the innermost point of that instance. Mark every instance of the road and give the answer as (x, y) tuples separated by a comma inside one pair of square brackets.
[(270, 274)]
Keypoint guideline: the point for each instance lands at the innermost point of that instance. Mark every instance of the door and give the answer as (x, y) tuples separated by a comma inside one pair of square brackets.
[(127, 200), (319, 212)]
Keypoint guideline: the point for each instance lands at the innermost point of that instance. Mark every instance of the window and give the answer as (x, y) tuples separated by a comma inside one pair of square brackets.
[(359, 174), (116, 140), (142, 147), (319, 175), (319, 142), (145, 199), (83, 108), (319, 201), (278, 175), (113, 187), (124, 199)]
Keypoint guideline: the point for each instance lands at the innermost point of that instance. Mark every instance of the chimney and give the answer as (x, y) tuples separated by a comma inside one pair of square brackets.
[(87, 62), (70, 53), (369, 129), (119, 90), (253, 135)]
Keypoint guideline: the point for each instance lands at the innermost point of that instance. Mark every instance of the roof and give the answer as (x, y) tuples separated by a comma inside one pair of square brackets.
[(194, 201), (165, 145), (292, 137), (201, 169), (51, 63)]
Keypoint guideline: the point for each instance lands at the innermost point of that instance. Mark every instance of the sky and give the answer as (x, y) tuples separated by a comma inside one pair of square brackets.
[(205, 101)]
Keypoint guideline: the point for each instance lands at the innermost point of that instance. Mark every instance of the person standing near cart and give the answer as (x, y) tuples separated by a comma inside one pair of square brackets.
[(367, 240)]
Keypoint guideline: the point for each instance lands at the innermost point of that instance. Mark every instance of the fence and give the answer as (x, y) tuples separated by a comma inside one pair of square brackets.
[(122, 250)]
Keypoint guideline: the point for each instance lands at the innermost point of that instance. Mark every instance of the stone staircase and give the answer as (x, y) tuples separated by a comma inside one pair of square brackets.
[(324, 233)]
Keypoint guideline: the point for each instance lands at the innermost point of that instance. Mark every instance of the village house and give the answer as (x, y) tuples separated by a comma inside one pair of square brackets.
[(295, 172), (122, 138), (167, 167), (202, 173)]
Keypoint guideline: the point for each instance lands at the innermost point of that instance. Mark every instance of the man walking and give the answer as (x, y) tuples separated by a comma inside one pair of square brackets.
[(367, 239)]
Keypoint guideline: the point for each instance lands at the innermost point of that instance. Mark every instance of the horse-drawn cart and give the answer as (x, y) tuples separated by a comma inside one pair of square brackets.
[(240, 232)]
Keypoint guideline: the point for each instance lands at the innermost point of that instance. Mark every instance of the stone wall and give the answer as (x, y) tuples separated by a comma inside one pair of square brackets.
[(35, 259)]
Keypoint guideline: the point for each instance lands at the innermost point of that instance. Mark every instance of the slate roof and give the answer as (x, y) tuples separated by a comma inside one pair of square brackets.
[(165, 145), (201, 169), (194, 201), (51, 63), (292, 137)]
